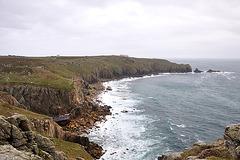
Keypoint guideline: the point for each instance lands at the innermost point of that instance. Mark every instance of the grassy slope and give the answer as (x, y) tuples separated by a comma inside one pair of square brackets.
[(57, 72), (73, 150)]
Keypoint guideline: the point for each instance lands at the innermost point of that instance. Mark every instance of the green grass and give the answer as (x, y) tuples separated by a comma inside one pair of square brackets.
[(59, 72), (9, 110), (73, 150)]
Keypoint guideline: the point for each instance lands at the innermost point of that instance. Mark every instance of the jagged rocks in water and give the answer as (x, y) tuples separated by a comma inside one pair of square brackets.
[(211, 71), (124, 111), (197, 71), (109, 88)]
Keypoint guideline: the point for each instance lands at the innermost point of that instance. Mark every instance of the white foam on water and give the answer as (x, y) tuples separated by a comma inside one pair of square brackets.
[(181, 126), (121, 134)]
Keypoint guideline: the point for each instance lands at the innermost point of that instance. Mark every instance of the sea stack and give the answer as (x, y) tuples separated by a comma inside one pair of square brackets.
[(211, 71), (197, 71)]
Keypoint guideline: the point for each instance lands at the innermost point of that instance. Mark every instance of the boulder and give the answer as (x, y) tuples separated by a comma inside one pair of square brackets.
[(109, 88), (45, 144), (20, 121)]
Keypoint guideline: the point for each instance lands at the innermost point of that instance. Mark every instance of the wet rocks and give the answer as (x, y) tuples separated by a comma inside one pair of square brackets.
[(211, 71), (197, 71), (124, 111), (109, 88)]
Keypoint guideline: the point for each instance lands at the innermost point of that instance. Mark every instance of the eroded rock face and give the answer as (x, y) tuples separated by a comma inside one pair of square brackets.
[(43, 100), (232, 140), (16, 134), (52, 129)]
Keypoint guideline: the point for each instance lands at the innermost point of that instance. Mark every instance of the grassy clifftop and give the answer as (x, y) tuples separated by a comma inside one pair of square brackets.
[(60, 72)]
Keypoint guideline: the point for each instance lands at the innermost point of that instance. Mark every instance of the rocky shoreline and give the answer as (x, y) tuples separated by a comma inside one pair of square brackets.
[(225, 148)]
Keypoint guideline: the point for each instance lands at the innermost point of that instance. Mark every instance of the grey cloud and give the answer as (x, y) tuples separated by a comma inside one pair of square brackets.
[(143, 28)]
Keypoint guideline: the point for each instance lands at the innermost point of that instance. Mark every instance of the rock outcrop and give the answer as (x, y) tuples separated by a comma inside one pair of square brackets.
[(201, 151), (9, 152), (211, 71), (52, 129), (232, 140), (16, 134), (197, 71)]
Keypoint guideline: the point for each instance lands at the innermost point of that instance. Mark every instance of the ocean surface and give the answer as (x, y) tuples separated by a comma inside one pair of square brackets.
[(166, 113)]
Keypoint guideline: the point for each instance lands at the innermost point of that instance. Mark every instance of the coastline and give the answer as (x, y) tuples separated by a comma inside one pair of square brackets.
[(113, 153)]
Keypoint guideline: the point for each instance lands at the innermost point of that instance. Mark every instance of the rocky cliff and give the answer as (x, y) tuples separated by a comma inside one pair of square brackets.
[(52, 129), (49, 101), (46, 126), (19, 142)]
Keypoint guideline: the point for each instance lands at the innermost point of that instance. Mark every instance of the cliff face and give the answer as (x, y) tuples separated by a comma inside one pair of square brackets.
[(46, 100), (40, 123), (129, 71), (52, 129)]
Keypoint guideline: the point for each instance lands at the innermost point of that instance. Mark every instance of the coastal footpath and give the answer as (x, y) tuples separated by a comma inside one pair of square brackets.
[(52, 86)]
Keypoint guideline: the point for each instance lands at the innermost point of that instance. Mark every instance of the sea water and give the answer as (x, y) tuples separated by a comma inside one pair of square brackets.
[(166, 113)]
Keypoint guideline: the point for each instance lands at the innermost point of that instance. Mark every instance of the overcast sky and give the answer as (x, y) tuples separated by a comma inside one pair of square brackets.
[(139, 28)]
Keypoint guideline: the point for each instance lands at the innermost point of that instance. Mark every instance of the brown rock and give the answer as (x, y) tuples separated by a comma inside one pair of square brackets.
[(232, 140)]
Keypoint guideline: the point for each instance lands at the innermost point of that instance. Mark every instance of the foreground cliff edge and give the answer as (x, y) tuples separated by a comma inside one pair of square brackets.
[(58, 85), (20, 139), (225, 148)]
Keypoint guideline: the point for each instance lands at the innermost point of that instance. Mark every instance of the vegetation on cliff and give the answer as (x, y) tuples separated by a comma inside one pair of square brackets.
[(73, 150), (60, 72)]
